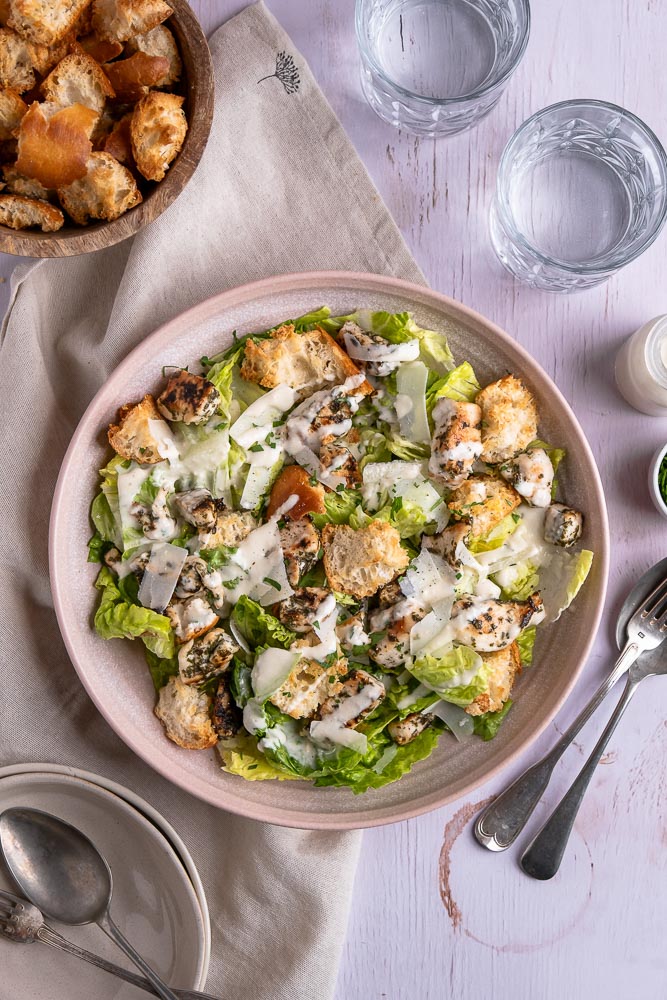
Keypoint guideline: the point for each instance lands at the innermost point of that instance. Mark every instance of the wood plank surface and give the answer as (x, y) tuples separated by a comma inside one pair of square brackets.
[(434, 916)]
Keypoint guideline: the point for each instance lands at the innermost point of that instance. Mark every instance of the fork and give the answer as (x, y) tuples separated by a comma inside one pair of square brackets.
[(21, 921), (501, 822)]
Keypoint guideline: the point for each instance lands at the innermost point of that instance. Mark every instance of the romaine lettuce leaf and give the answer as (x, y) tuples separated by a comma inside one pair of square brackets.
[(487, 725), (497, 536), (407, 450), (525, 641), (458, 675), (161, 669), (460, 384), (562, 579), (361, 776), (339, 505), (115, 618), (259, 627), (517, 582), (240, 755), (407, 517)]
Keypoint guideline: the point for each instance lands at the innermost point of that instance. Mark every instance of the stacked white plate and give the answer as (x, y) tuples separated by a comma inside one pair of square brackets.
[(158, 898)]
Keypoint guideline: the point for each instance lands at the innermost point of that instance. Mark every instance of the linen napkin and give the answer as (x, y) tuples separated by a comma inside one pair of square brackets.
[(279, 189)]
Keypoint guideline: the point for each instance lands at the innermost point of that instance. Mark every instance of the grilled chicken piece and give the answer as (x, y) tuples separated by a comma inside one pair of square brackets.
[(509, 419), (309, 684), (563, 525), (338, 459), (351, 633), (448, 543), (483, 501), (406, 730), (456, 442), (205, 657), (531, 474), (390, 594), (366, 349), (353, 699), (198, 508), (230, 528), (305, 607), (188, 398), (190, 580), (398, 620), (506, 665), (157, 523), (301, 546), (487, 624), (227, 718), (137, 564), (191, 618)]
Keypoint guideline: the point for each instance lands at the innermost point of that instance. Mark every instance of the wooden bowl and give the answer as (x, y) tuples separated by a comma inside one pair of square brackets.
[(198, 89)]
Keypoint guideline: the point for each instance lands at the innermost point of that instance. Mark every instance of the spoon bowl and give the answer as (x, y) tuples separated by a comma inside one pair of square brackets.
[(56, 865)]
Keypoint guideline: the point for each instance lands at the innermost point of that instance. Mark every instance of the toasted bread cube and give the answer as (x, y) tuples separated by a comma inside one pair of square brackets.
[(132, 78), (483, 502), (160, 42), (54, 147), (100, 50), (119, 20), (229, 528), (184, 711), (509, 419), (158, 129), (4, 12), (26, 186), (189, 398), (106, 192), (16, 67), (18, 212), (77, 79), (506, 665), (132, 437), (360, 562), (307, 361), (45, 57), (309, 684), (117, 142), (294, 481), (12, 110), (44, 21)]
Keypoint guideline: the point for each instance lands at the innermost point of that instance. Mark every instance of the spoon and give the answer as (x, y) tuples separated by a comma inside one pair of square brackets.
[(63, 873)]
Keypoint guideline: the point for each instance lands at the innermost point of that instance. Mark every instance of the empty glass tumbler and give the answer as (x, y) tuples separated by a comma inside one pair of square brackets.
[(581, 192), (436, 67)]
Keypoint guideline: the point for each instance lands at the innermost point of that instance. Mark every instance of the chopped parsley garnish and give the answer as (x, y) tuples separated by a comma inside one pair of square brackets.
[(272, 583)]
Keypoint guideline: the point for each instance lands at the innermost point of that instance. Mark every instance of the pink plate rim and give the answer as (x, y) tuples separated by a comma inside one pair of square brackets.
[(303, 282)]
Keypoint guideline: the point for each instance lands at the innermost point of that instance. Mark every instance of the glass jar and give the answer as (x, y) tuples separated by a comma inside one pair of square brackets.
[(641, 368)]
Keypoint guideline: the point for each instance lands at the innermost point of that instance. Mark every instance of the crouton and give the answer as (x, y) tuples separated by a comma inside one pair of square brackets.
[(119, 20), (184, 711), (77, 79), (309, 684), (158, 130), (106, 192), (506, 665), (188, 398), (230, 528), (54, 147), (191, 618), (132, 78), (12, 110), (509, 419), (483, 502), (44, 21), (4, 12), (18, 212), (305, 361), (100, 50), (117, 142), (295, 481), (16, 69), (360, 562), (160, 42), (8, 150), (45, 57), (131, 437), (26, 186)]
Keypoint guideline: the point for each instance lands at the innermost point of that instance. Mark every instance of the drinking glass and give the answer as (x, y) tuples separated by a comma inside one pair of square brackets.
[(436, 67), (581, 192)]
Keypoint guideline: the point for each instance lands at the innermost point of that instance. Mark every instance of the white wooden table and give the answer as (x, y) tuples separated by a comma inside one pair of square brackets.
[(434, 916)]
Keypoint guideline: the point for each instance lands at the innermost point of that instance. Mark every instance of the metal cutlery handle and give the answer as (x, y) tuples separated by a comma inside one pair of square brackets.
[(499, 825), (54, 940), (543, 856), (115, 933)]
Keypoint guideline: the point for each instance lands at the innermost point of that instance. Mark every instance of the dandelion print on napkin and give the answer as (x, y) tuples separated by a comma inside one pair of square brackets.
[(286, 72)]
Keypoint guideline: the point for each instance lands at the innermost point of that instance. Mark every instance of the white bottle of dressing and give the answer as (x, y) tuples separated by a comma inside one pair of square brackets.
[(641, 368)]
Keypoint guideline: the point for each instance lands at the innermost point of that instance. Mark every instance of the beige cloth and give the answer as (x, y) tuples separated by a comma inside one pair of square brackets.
[(279, 189)]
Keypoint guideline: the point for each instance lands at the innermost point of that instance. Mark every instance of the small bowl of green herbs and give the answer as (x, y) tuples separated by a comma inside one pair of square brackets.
[(657, 480)]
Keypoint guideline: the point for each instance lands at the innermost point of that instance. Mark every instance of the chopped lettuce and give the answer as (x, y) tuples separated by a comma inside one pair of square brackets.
[(563, 579), (497, 536), (487, 725), (409, 451), (407, 517), (364, 774), (458, 675), (104, 520), (460, 384), (115, 618), (259, 627), (161, 668), (339, 504), (241, 755), (517, 582), (525, 642)]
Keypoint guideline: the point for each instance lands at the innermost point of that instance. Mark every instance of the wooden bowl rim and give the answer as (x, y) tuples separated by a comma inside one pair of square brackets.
[(72, 240)]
